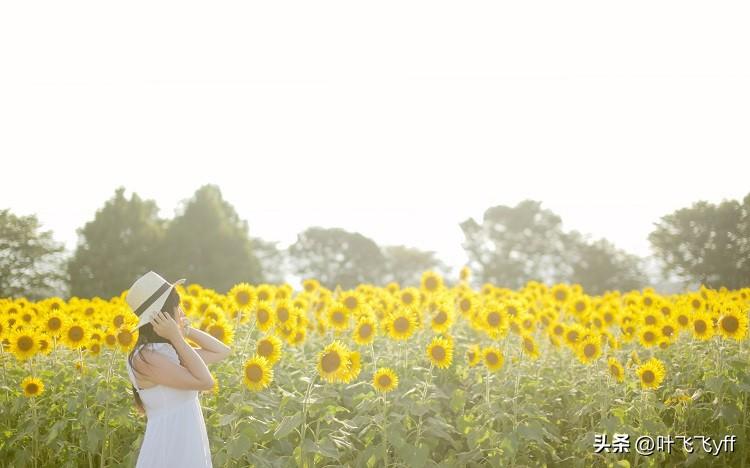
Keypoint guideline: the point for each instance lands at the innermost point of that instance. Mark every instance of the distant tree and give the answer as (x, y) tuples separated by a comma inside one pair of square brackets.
[(336, 257), (706, 243), (30, 260), (513, 245), (208, 243), (405, 265), (599, 266), (273, 262), (116, 247)]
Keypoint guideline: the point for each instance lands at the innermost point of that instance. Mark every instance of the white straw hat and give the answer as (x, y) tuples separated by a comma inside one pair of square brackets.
[(147, 296)]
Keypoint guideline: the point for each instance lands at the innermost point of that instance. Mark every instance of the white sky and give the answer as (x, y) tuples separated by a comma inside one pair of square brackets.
[(394, 119)]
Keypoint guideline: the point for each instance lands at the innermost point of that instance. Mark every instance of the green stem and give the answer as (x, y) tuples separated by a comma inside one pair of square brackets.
[(106, 411), (303, 432), (424, 397), (385, 432)]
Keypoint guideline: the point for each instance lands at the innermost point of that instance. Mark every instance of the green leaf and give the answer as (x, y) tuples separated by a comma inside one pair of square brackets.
[(415, 457), (227, 419), (287, 425)]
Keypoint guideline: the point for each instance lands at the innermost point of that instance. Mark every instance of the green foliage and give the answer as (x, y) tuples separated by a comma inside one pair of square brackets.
[(599, 266), (208, 243), (405, 265), (118, 245), (336, 257), (30, 260), (706, 243)]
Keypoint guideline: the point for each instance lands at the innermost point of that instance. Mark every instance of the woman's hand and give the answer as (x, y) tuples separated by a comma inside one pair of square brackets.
[(166, 327)]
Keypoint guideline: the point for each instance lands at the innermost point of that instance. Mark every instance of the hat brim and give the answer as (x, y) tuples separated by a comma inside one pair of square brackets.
[(151, 312)]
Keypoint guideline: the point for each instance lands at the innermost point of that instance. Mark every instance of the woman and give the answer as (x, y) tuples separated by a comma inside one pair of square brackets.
[(167, 374)]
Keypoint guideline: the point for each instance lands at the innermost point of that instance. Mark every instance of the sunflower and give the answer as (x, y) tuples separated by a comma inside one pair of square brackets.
[(589, 349), (443, 319), (440, 352), (409, 296), (286, 314), (649, 336), (385, 380), (351, 300), (465, 273), (560, 294), (258, 373), (333, 362), (431, 282), (402, 323), (493, 358), (269, 347), (125, 339), (243, 296), (338, 316), (573, 334), (364, 332), (310, 285), (529, 347), (32, 387), (473, 355), (466, 304), (703, 326), (354, 367), (495, 320), (264, 316), (615, 369), (23, 344), (651, 373), (221, 330), (732, 323), (264, 293)]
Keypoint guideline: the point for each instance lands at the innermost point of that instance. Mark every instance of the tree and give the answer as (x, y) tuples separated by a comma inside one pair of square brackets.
[(336, 257), (272, 260), (30, 260), (405, 265), (209, 244), (514, 245), (116, 247), (599, 266), (706, 243)]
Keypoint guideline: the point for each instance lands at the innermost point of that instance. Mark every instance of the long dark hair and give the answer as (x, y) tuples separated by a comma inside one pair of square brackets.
[(146, 334)]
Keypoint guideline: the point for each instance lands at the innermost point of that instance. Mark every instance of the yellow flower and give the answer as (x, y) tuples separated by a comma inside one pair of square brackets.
[(385, 380), (310, 285), (258, 373), (269, 347), (466, 304), (32, 387), (703, 326), (409, 297), (464, 274), (495, 320), (615, 369), (732, 323), (75, 335), (333, 362), (589, 349), (529, 347), (243, 296), (354, 368), (265, 293), (440, 352), (431, 282), (364, 332), (493, 358), (23, 344), (443, 319), (651, 373), (402, 324), (338, 316), (125, 338), (351, 301), (286, 314), (473, 355), (264, 316), (54, 324), (649, 336), (560, 293)]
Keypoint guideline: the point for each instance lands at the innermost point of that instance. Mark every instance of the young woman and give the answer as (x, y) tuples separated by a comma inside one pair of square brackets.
[(167, 374)]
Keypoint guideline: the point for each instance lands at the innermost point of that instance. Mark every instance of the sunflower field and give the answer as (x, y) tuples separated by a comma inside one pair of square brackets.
[(434, 375)]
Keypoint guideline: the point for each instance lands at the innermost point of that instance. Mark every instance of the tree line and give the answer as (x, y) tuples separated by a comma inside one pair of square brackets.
[(208, 243)]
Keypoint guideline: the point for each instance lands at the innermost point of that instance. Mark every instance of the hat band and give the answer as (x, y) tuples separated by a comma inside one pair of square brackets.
[(152, 299)]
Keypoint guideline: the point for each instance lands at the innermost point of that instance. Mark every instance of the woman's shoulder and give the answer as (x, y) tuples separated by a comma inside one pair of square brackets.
[(162, 348)]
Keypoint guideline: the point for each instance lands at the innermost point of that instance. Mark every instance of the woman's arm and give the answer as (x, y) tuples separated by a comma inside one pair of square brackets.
[(211, 349)]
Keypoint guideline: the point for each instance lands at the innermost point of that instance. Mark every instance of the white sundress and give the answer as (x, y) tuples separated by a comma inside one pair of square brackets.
[(175, 429)]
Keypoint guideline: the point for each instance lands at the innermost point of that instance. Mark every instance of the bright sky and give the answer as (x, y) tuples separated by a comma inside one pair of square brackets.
[(394, 119)]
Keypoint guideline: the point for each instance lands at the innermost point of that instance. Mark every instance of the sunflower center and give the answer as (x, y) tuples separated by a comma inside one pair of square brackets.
[(559, 330), (407, 298), (263, 295), (263, 316), (438, 353), (338, 317), (696, 304), (254, 373), (283, 314), (243, 298), (492, 359), (700, 326), (589, 350), (683, 320), (350, 302), (26, 317), (649, 336), (54, 323), (217, 331), (401, 324), (667, 330), (730, 324), (614, 370), (580, 306), (648, 301), (493, 318), (331, 361), (608, 317), (650, 320), (665, 310), (265, 348), (124, 337), (648, 376), (384, 380), (440, 318), (32, 388), (25, 343), (118, 320), (365, 330), (471, 355), (560, 295), (110, 339), (431, 284), (465, 304), (572, 336), (75, 333), (528, 344)]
